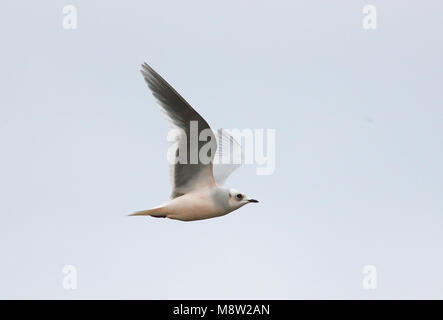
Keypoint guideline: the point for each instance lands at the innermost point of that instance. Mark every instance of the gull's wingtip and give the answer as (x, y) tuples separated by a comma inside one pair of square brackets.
[(146, 66), (146, 71)]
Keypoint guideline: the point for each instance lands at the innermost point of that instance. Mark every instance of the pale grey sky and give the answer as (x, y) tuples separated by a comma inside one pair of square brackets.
[(358, 117)]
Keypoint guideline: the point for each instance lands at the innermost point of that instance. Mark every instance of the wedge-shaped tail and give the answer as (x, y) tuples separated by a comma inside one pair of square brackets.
[(157, 212)]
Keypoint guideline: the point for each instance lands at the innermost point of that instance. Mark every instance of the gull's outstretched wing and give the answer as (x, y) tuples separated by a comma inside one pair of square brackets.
[(228, 157), (186, 175)]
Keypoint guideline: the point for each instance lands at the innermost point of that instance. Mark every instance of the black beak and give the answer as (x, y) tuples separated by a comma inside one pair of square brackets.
[(253, 200)]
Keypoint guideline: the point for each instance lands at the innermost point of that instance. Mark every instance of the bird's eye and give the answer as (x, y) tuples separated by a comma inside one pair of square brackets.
[(239, 196)]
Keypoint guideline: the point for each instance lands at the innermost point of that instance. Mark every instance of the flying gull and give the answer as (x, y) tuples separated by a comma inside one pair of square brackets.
[(197, 179)]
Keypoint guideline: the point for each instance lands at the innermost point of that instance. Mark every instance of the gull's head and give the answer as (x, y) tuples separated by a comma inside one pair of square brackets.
[(238, 199)]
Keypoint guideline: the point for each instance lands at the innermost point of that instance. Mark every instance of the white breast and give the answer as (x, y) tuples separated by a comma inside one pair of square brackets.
[(195, 205)]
